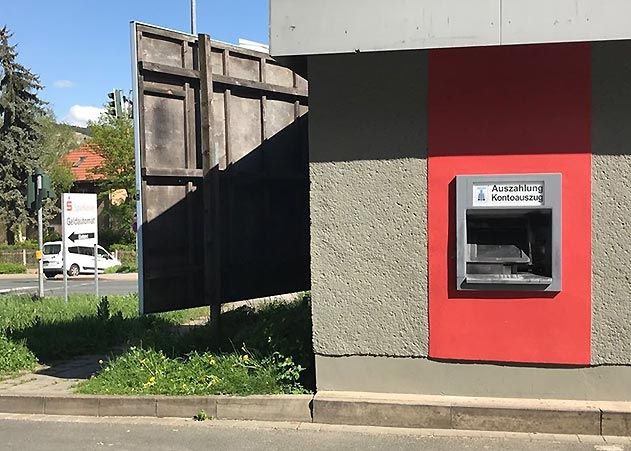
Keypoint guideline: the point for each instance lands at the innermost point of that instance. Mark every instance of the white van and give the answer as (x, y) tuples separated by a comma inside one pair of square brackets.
[(80, 260)]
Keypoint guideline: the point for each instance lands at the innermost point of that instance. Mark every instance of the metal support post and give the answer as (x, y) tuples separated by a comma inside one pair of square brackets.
[(64, 257), (215, 320), (96, 270), (40, 236)]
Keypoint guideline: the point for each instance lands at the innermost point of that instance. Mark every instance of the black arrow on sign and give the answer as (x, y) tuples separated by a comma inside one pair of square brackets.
[(74, 236)]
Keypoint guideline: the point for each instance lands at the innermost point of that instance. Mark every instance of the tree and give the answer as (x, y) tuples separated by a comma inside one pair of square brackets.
[(56, 140), (20, 111), (113, 138)]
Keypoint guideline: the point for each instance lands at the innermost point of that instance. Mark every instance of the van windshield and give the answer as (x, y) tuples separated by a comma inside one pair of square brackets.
[(52, 249)]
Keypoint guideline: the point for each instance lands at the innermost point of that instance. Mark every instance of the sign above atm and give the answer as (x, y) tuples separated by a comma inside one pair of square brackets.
[(508, 194)]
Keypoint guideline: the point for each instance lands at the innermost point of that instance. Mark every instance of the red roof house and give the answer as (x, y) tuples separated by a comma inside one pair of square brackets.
[(83, 162)]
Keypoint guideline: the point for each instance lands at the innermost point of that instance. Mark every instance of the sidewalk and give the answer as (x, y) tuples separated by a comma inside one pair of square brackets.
[(55, 380), (49, 391)]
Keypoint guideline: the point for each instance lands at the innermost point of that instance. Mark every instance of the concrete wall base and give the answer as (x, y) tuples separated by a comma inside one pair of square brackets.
[(423, 376)]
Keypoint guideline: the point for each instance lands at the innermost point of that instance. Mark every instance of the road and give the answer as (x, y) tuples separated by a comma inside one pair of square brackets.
[(47, 433), (109, 284)]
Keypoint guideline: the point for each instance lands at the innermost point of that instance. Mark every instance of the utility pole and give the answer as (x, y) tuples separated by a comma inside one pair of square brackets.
[(193, 17), (40, 231)]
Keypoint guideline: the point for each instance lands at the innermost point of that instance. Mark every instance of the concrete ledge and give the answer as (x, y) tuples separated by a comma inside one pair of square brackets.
[(127, 406), (553, 421), (395, 414), (295, 408), (186, 406), (265, 408), (616, 423), (487, 414), (76, 405), (22, 404)]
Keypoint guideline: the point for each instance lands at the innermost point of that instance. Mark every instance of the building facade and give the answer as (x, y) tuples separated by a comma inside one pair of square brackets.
[(409, 101)]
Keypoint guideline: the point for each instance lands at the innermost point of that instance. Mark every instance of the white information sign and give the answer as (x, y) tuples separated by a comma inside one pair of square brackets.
[(79, 228), (508, 194), (79, 219)]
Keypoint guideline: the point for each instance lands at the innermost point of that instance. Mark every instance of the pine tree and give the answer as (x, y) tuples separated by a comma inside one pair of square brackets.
[(20, 112)]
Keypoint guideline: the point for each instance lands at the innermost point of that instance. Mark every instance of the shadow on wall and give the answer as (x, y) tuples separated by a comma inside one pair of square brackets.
[(611, 98), (263, 233), (368, 106), (374, 106)]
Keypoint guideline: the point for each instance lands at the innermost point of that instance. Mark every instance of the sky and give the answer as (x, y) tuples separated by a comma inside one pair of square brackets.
[(81, 48)]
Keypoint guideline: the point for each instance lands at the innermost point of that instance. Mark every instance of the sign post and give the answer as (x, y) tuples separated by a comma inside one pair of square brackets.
[(40, 235), (79, 229)]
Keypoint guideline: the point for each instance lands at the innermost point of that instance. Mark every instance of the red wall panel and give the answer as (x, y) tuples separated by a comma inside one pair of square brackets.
[(497, 110)]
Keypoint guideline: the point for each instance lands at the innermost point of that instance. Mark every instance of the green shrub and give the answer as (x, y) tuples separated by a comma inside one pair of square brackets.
[(123, 247), (127, 268), (14, 357), (122, 269), (27, 244), (12, 268)]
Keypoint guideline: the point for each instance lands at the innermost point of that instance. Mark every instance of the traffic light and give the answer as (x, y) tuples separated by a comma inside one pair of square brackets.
[(35, 197), (115, 104), (47, 187), (31, 192)]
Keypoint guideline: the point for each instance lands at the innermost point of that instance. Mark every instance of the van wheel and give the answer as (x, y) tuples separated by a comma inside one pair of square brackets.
[(73, 271), (50, 275)]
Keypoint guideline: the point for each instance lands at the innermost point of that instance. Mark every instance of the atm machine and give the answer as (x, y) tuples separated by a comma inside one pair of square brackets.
[(508, 233)]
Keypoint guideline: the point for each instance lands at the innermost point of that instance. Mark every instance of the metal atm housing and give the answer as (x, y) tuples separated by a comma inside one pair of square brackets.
[(508, 232)]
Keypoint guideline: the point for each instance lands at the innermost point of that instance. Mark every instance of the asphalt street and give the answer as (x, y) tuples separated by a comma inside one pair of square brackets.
[(109, 284), (45, 433)]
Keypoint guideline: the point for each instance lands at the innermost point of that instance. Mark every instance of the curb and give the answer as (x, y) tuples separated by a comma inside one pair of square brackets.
[(264, 408), (362, 409), (486, 414)]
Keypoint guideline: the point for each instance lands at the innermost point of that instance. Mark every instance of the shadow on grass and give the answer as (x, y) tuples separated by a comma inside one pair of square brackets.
[(282, 327), (55, 341)]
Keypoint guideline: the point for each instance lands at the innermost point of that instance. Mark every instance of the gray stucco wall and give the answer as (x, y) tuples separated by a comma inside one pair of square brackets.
[(611, 203), (368, 141)]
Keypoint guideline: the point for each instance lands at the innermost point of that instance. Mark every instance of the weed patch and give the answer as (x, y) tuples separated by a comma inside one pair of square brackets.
[(260, 351), (151, 372)]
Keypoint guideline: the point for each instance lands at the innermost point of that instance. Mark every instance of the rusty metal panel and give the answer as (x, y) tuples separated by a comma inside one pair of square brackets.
[(222, 172)]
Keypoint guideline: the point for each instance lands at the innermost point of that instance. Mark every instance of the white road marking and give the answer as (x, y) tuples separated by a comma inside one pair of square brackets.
[(11, 290)]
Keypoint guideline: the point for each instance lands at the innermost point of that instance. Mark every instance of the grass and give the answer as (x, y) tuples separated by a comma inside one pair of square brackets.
[(263, 351), (14, 357), (151, 372), (12, 268), (51, 330)]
